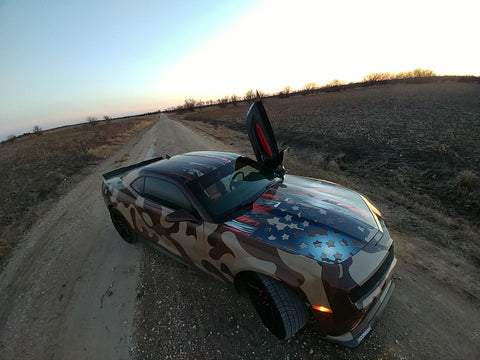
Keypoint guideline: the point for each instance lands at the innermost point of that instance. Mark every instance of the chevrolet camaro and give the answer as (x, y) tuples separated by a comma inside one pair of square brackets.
[(297, 247)]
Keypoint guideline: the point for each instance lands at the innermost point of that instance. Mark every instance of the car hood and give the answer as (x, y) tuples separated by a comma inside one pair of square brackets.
[(315, 218)]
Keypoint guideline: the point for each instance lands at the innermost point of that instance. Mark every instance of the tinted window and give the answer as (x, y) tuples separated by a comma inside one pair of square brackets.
[(166, 193), (138, 185)]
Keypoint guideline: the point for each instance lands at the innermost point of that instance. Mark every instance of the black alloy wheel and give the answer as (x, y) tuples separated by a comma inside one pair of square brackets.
[(280, 309), (122, 226)]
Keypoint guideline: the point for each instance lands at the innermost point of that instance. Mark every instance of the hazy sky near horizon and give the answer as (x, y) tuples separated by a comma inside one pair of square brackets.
[(62, 61)]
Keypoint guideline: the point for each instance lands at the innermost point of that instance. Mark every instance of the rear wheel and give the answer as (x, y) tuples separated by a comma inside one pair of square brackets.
[(122, 226), (280, 309)]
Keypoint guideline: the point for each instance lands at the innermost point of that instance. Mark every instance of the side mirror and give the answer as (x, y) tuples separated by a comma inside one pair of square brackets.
[(182, 215)]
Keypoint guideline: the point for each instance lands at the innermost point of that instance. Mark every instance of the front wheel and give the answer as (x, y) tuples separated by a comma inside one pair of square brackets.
[(122, 226), (280, 309)]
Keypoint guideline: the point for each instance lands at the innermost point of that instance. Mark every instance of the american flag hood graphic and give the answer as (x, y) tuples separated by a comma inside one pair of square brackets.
[(318, 219)]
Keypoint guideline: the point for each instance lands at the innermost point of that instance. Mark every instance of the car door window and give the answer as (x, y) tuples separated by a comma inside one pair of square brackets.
[(165, 193)]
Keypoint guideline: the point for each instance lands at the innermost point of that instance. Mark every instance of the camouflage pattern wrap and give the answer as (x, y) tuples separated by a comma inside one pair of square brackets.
[(322, 240)]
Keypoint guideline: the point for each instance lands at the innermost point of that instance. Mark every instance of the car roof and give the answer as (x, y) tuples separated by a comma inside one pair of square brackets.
[(189, 166)]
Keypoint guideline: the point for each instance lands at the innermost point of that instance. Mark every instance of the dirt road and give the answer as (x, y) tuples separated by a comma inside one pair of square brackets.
[(69, 289), (73, 290)]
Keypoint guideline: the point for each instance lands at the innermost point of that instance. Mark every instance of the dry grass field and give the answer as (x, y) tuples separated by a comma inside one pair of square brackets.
[(35, 169), (414, 149)]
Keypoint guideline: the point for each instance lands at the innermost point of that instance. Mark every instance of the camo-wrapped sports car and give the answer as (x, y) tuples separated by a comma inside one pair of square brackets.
[(298, 247)]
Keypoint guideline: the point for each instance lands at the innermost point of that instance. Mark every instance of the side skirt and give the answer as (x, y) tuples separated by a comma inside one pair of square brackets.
[(164, 251)]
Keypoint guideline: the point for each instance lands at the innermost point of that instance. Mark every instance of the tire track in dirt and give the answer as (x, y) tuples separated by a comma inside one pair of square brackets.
[(69, 288)]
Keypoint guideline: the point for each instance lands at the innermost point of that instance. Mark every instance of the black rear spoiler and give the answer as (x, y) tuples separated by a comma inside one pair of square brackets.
[(125, 169)]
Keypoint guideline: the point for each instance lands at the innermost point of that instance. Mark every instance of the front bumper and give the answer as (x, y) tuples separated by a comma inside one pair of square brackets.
[(355, 337)]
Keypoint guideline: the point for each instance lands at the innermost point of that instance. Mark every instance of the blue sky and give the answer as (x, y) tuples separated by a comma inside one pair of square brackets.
[(62, 61)]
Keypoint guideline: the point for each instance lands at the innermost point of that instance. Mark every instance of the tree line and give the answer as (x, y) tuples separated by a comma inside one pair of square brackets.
[(311, 87)]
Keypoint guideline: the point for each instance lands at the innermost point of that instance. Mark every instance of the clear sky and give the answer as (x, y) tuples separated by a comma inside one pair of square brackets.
[(62, 61)]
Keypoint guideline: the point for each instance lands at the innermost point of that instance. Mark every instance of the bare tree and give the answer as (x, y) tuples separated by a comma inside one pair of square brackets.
[(285, 92), (190, 103), (37, 130), (399, 76), (249, 96), (92, 120), (223, 102), (378, 77), (234, 99), (310, 86), (403, 75), (423, 73), (335, 82)]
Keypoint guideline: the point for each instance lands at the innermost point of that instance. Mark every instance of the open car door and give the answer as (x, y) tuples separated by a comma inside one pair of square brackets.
[(263, 140)]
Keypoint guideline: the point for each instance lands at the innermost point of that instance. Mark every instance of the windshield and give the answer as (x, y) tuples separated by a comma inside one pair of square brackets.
[(231, 187)]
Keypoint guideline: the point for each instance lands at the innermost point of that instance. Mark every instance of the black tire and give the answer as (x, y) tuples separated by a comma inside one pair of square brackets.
[(280, 309), (122, 226)]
